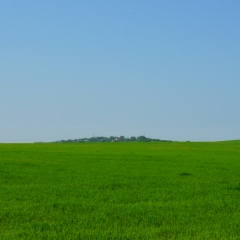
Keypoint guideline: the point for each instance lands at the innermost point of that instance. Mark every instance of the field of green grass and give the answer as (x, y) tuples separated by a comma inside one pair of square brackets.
[(120, 191)]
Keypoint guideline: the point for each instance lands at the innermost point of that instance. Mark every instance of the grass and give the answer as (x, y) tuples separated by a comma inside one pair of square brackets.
[(120, 191)]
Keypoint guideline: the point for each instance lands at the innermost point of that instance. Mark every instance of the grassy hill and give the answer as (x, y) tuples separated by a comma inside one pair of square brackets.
[(167, 190)]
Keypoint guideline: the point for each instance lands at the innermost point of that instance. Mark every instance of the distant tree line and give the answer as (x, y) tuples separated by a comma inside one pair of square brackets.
[(113, 139)]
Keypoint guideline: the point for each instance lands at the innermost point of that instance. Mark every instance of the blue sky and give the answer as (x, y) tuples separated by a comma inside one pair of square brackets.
[(166, 69)]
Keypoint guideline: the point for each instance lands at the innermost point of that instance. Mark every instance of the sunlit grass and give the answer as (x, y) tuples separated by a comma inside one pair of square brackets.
[(120, 191)]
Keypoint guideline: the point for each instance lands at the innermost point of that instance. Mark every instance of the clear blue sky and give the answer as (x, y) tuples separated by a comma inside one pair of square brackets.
[(166, 69)]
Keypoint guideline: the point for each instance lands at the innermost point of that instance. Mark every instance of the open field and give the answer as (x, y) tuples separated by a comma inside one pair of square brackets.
[(120, 191)]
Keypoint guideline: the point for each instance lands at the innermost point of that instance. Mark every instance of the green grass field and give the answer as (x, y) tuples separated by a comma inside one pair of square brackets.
[(120, 191)]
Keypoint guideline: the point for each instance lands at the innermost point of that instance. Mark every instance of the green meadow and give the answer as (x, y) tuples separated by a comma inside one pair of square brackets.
[(169, 190)]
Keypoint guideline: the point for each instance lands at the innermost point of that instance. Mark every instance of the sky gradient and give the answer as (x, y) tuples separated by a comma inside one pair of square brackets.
[(166, 69)]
